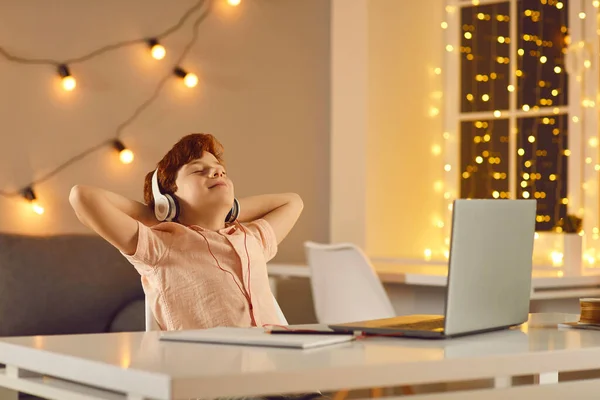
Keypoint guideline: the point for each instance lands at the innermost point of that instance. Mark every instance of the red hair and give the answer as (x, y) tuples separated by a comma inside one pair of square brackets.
[(186, 150)]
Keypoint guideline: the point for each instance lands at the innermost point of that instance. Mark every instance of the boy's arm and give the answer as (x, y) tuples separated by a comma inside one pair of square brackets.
[(281, 211), (112, 216)]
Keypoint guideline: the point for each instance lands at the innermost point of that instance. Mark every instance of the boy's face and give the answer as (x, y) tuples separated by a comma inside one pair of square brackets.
[(203, 186)]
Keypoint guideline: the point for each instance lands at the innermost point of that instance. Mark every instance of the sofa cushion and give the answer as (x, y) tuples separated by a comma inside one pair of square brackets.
[(130, 318), (62, 284)]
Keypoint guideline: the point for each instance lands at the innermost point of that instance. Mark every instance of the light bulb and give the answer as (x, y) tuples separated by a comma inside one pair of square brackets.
[(234, 2), (557, 258), (125, 155), (37, 208), (157, 50), (68, 82), (29, 195), (189, 79), (427, 254)]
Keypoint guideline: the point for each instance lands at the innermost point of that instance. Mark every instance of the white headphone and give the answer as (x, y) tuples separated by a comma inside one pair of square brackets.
[(166, 209)]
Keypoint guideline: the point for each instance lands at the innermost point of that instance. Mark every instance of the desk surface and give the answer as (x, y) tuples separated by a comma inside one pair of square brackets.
[(436, 275), (141, 364)]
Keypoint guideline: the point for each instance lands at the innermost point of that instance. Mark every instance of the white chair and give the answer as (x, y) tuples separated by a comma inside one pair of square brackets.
[(152, 325), (345, 287)]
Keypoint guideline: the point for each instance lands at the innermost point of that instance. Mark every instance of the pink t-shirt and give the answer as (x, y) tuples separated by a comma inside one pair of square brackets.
[(185, 285)]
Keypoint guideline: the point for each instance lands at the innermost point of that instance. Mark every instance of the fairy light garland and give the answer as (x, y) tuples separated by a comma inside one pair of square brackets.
[(67, 74)]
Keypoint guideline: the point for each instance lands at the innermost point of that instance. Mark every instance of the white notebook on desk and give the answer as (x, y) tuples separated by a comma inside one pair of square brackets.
[(254, 337)]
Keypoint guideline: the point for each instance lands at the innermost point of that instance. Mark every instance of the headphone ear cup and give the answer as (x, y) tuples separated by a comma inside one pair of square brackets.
[(173, 212), (161, 208), (234, 212)]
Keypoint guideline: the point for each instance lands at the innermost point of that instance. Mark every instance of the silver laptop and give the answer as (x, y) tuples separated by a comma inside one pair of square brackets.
[(489, 274)]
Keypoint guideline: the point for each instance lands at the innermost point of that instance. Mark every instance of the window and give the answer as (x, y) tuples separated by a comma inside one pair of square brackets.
[(521, 83)]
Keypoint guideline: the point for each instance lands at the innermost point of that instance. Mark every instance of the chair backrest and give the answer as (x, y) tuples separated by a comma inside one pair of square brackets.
[(152, 325), (345, 287)]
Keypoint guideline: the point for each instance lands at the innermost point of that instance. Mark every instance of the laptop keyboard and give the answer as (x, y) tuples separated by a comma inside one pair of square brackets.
[(426, 325)]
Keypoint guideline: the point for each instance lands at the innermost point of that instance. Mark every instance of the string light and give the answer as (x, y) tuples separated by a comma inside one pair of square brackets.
[(156, 49), (68, 82), (189, 79), (125, 155), (29, 195)]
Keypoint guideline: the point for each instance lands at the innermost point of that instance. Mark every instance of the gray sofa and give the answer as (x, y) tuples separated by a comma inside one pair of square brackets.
[(66, 284)]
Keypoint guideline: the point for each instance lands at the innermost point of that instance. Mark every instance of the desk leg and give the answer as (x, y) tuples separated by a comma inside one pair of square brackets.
[(502, 382), (7, 394), (546, 378)]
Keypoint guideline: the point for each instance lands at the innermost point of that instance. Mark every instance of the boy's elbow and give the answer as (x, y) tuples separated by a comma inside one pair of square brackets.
[(297, 200), (76, 195)]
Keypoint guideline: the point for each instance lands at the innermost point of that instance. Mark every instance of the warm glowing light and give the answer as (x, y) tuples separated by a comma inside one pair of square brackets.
[(521, 152), (447, 167), (543, 59), (29, 195), (596, 3), (478, 159), (510, 88), (436, 149), (552, 177), (438, 186), (496, 194), (427, 254), (557, 69), (525, 195), (234, 2), (567, 152), (557, 258), (444, 25), (575, 119), (68, 83), (36, 207), (156, 49), (449, 48), (597, 167), (536, 235), (485, 97), (126, 156), (587, 63), (582, 15), (525, 107), (497, 113), (437, 71), (190, 80), (446, 135), (559, 5), (531, 139), (593, 142), (468, 35)]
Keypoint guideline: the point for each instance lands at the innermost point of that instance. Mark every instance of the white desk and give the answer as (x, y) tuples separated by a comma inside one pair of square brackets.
[(420, 289), (139, 366)]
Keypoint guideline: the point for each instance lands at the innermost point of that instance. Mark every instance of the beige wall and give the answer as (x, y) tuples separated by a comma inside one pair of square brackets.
[(405, 46), (264, 92)]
